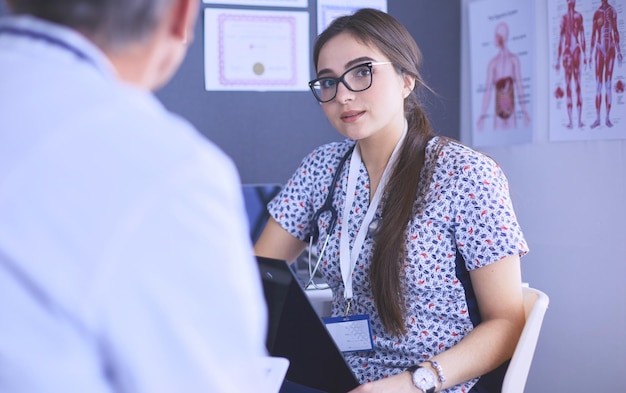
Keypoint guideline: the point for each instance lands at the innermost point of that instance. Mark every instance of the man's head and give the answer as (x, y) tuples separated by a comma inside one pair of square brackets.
[(154, 32)]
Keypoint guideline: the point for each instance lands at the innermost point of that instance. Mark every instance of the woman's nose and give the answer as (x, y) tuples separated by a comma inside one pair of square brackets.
[(343, 93)]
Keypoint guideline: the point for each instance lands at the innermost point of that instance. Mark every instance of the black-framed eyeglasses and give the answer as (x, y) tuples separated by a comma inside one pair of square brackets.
[(357, 78)]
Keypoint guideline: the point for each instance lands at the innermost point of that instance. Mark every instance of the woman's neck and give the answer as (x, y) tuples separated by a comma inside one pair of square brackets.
[(376, 153)]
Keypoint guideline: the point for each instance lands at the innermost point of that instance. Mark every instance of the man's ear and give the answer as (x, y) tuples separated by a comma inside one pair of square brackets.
[(184, 14)]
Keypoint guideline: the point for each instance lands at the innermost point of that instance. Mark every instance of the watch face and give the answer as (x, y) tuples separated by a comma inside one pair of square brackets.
[(423, 379)]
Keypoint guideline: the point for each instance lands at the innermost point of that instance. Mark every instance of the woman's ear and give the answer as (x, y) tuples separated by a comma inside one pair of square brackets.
[(409, 84)]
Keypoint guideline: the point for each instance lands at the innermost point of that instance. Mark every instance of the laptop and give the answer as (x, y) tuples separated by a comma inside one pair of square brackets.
[(297, 333)]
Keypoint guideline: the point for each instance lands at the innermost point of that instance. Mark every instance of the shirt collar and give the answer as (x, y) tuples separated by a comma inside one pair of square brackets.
[(49, 33)]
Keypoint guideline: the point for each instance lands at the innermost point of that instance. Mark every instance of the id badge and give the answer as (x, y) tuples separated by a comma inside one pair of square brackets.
[(353, 333)]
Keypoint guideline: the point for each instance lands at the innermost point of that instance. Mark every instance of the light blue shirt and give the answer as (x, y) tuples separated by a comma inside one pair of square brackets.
[(125, 260)]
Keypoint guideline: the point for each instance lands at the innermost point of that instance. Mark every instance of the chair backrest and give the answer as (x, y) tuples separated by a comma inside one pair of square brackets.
[(535, 306)]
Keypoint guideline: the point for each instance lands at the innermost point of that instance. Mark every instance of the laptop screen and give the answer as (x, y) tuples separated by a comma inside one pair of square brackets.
[(297, 333)]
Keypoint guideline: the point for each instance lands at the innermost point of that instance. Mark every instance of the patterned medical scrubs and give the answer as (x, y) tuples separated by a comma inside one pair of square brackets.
[(467, 222)]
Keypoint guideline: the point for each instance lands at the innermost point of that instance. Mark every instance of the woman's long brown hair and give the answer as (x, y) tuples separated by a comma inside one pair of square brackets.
[(380, 30)]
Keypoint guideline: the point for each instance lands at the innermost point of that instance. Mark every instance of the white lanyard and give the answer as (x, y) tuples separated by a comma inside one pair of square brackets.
[(348, 258)]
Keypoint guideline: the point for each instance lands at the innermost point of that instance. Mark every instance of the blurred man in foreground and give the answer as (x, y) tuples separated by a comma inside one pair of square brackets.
[(125, 262)]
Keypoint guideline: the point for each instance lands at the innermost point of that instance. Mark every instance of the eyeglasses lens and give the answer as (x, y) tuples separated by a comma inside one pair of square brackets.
[(356, 79)]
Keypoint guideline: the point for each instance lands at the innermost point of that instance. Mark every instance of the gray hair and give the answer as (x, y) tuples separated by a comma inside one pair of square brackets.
[(110, 24)]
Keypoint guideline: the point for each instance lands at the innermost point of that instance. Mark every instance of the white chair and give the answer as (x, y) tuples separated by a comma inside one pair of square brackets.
[(535, 306)]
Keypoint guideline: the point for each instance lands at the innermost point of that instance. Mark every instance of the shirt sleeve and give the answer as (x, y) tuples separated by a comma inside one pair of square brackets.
[(293, 208), (486, 226)]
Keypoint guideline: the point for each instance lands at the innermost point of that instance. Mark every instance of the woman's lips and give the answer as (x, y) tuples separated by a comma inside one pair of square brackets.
[(351, 116)]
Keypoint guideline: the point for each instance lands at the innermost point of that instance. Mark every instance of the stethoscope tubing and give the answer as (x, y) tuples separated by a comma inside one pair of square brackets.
[(327, 206)]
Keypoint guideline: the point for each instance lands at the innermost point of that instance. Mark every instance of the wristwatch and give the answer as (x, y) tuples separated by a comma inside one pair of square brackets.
[(423, 379)]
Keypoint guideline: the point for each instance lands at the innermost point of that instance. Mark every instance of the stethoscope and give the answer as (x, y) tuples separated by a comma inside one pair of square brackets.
[(328, 208)]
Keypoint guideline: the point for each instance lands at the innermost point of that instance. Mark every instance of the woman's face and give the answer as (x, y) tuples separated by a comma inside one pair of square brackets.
[(377, 111)]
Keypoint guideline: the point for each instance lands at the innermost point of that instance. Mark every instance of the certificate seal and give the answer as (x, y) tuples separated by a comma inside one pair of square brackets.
[(258, 68)]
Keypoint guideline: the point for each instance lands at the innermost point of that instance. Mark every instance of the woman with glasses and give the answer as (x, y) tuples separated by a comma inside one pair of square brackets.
[(415, 233)]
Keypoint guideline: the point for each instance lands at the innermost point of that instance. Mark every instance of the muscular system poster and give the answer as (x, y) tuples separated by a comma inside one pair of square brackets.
[(586, 70)]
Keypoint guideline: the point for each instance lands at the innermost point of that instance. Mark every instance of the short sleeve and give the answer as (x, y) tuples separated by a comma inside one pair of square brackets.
[(486, 225), (304, 193), (292, 207)]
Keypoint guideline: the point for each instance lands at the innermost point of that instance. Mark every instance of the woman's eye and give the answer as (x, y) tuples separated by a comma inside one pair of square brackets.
[(327, 83), (362, 72)]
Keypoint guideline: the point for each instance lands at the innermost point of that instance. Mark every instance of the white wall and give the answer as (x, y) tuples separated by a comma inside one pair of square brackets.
[(570, 199)]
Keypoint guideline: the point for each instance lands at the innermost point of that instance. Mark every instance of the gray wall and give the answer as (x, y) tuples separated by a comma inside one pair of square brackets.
[(268, 133), (569, 199)]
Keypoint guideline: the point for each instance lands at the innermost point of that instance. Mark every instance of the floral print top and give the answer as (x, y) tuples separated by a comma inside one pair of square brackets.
[(467, 222)]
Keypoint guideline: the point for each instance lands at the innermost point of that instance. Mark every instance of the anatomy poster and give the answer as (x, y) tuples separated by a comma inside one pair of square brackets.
[(587, 73), (502, 43)]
